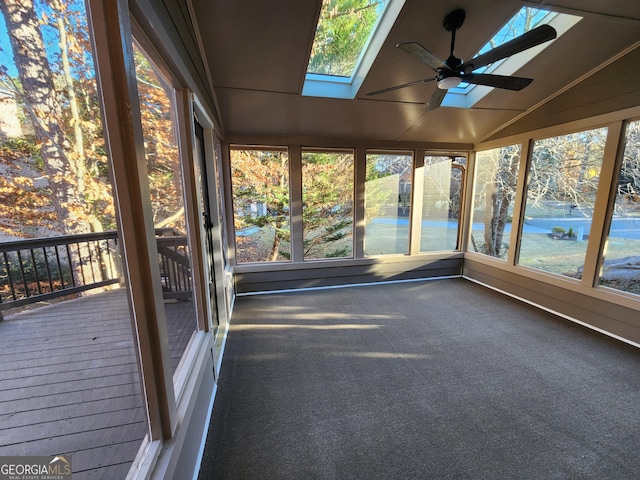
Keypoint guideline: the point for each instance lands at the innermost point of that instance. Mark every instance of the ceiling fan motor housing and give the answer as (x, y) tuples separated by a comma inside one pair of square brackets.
[(454, 20)]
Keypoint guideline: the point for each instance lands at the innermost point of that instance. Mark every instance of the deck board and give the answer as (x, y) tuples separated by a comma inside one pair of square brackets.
[(69, 381), (62, 412), (42, 379)]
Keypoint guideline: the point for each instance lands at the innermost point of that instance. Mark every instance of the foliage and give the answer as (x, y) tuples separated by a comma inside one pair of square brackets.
[(628, 201), (388, 185), (26, 202), (566, 169), (341, 34), (76, 195), (73, 193), (260, 180), (160, 144), (327, 185)]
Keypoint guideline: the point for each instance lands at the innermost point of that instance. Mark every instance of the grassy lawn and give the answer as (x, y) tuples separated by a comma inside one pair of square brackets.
[(386, 239), (565, 257)]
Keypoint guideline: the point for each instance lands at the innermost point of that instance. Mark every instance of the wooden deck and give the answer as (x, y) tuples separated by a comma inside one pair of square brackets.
[(69, 382)]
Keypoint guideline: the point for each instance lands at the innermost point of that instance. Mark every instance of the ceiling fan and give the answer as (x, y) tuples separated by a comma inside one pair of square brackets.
[(452, 71)]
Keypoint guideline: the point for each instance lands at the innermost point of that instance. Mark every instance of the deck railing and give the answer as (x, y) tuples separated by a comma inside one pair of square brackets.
[(42, 269), (175, 269)]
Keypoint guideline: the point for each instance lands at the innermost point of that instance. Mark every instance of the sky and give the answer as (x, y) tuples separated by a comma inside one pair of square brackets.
[(6, 57), (50, 37)]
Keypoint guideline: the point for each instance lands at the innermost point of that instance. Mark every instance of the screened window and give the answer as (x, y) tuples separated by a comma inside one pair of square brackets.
[(157, 107), (327, 199), (621, 268), (495, 190), (561, 192), (387, 203), (442, 190), (70, 378), (260, 183)]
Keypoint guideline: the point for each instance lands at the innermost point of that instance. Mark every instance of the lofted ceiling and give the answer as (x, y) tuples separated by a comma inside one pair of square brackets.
[(257, 54)]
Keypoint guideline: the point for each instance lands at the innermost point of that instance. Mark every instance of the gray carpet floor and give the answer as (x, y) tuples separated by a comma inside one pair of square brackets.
[(429, 380)]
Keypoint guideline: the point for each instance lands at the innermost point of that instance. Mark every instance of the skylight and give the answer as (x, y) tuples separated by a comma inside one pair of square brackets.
[(527, 18), (348, 37)]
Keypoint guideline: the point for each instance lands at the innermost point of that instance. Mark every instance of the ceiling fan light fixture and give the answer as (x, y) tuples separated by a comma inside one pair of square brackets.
[(449, 82)]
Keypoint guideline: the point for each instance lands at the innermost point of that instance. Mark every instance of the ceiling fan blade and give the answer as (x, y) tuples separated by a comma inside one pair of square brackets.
[(497, 81), (396, 87), (436, 99), (424, 55), (533, 37)]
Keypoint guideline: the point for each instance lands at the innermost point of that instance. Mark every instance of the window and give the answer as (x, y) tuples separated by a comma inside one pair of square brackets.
[(466, 95), (442, 191), (561, 190), (70, 370), (494, 192), (157, 107), (348, 37), (260, 183), (621, 268), (387, 203), (327, 199)]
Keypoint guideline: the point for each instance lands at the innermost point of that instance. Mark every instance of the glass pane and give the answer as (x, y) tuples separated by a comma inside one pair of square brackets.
[(217, 153), (260, 182), (327, 204), (157, 107), (440, 204), (621, 269), (526, 19), (561, 193), (342, 33), (69, 370), (387, 203), (495, 190)]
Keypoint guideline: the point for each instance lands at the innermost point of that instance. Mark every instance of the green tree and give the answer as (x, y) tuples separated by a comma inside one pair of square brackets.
[(327, 186), (341, 34), (260, 180)]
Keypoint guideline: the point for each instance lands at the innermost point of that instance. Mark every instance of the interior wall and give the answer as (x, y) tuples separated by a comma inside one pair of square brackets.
[(346, 272), (180, 456), (618, 317)]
